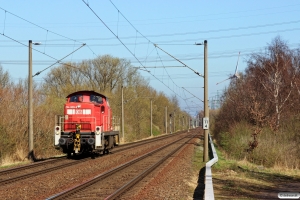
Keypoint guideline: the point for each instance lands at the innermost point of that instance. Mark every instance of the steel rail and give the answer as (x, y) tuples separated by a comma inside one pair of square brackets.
[(138, 178), (32, 166), (142, 142), (76, 189), (25, 176)]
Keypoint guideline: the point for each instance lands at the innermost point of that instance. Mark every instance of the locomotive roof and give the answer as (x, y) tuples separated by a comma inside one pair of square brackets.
[(86, 92)]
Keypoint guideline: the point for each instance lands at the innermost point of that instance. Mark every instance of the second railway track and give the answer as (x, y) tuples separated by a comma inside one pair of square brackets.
[(117, 181), (23, 172)]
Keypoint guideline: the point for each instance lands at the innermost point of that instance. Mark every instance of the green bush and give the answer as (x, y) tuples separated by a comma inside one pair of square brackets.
[(276, 149), (279, 148), (236, 141), (155, 131)]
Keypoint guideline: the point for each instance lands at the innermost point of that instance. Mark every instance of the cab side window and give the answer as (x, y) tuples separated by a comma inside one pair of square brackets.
[(99, 100), (96, 99), (76, 98), (73, 98), (92, 98)]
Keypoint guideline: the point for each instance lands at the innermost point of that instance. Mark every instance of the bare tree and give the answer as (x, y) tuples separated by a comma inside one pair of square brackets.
[(4, 78), (274, 71)]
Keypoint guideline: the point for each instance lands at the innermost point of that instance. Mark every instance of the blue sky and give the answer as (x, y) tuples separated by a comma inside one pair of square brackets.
[(175, 26)]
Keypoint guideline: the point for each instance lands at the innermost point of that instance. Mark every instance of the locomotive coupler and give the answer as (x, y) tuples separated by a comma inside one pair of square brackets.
[(77, 139)]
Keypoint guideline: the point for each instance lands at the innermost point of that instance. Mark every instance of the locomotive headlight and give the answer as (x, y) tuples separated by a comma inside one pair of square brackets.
[(57, 129), (57, 133), (98, 130)]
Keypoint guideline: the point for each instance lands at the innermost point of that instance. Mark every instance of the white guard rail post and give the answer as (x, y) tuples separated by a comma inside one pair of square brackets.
[(209, 190)]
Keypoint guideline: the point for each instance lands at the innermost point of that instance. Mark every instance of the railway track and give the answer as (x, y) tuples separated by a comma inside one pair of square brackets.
[(12, 175), (142, 142), (17, 174), (29, 166), (113, 183)]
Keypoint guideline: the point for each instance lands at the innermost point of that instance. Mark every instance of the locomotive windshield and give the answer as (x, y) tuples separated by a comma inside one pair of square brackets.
[(76, 98), (96, 99)]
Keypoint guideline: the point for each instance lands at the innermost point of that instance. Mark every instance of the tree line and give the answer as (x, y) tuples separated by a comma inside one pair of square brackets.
[(260, 112), (105, 74)]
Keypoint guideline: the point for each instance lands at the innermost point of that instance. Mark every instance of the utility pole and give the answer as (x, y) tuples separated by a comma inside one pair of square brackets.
[(174, 122), (182, 123), (171, 123), (151, 117), (179, 123), (123, 115), (166, 116), (205, 123), (30, 110), (187, 122), (189, 125)]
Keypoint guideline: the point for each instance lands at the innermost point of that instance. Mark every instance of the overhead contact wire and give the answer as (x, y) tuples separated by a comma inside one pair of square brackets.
[(159, 56), (58, 61), (179, 61), (125, 45), (38, 25), (44, 29)]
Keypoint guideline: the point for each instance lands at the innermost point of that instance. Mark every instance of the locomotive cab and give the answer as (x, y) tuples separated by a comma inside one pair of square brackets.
[(86, 126)]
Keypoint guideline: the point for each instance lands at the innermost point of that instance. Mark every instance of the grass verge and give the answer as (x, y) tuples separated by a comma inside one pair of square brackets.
[(198, 171), (234, 179)]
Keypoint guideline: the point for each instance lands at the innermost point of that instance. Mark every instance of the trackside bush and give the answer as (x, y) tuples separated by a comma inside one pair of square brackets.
[(280, 149), (235, 142)]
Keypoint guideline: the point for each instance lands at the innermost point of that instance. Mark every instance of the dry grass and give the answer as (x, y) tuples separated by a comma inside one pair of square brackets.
[(7, 162), (197, 181), (278, 149), (243, 180), (277, 169)]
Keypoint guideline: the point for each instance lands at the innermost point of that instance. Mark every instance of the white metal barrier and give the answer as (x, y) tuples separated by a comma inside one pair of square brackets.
[(209, 190)]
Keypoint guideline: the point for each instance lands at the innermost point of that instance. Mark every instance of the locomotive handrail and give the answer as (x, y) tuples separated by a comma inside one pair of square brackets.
[(209, 191)]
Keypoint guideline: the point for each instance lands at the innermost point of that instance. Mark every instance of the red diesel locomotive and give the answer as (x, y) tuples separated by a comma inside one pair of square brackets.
[(86, 126)]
